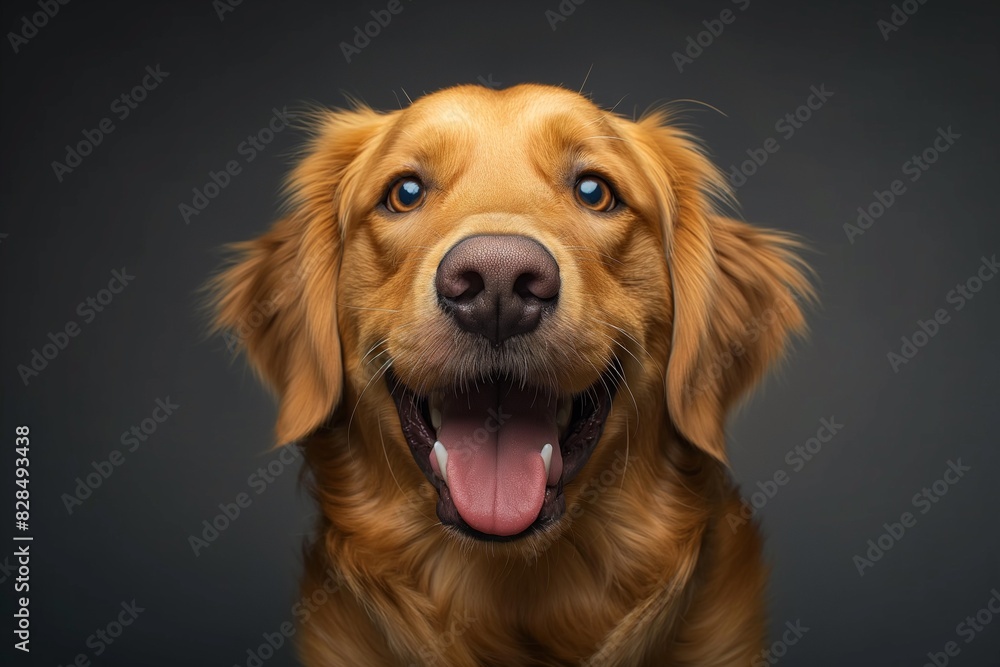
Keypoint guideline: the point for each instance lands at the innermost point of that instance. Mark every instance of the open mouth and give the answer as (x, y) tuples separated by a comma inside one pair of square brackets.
[(499, 452)]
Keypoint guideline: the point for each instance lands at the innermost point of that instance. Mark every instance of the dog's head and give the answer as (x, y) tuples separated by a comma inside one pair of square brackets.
[(487, 281)]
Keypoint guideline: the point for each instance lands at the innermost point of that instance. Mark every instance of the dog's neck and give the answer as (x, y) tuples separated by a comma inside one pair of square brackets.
[(602, 559)]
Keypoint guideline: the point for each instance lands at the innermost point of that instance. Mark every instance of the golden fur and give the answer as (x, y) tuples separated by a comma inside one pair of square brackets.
[(642, 569)]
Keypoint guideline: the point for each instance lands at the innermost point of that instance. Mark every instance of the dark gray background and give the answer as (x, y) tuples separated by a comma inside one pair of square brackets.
[(120, 209)]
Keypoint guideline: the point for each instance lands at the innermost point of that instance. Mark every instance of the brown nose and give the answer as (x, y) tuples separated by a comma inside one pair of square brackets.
[(498, 286)]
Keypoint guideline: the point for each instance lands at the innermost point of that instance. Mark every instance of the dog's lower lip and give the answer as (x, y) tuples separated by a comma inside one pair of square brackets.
[(576, 443)]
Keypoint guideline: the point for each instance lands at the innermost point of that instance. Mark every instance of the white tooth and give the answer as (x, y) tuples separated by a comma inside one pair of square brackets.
[(435, 418), (442, 456), (547, 458), (563, 414)]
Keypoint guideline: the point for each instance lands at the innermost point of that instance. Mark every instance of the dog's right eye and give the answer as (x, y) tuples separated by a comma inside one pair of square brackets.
[(405, 195), (594, 193)]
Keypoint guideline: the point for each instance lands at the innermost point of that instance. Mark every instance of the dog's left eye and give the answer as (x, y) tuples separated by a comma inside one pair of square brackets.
[(405, 195), (595, 194)]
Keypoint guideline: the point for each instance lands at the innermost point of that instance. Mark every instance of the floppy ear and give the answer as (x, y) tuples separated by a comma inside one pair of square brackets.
[(278, 299), (735, 288)]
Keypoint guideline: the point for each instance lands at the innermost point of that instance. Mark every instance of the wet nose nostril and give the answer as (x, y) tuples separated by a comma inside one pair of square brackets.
[(474, 285), (533, 286), (456, 285), (497, 286)]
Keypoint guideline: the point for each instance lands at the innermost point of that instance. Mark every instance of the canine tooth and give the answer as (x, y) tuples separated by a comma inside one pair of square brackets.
[(442, 456), (435, 418), (547, 457), (563, 414)]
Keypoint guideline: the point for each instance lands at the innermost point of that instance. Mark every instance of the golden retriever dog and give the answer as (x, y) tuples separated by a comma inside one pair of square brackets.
[(506, 327)]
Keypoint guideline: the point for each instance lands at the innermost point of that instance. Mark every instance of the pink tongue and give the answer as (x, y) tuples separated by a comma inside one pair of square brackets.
[(494, 437)]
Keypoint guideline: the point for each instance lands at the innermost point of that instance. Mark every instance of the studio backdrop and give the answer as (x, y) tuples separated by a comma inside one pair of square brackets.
[(160, 527)]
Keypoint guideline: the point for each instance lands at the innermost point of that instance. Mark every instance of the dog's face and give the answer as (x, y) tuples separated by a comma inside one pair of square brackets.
[(495, 283)]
